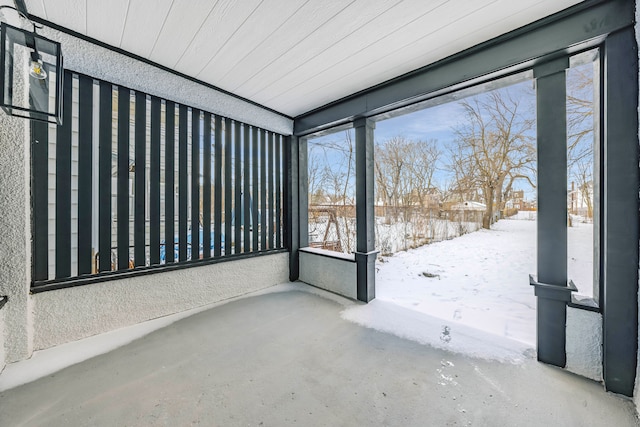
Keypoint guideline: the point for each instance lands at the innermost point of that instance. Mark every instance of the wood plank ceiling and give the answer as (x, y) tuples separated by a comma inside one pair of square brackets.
[(293, 55)]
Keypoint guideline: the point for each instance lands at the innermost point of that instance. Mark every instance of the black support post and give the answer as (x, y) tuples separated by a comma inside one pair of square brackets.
[(291, 214), (365, 216), (552, 209), (620, 314)]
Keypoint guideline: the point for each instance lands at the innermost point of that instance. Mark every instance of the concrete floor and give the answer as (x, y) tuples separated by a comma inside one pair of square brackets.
[(288, 358)]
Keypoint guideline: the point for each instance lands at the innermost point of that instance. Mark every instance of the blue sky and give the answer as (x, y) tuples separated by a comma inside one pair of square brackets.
[(432, 123), (435, 122)]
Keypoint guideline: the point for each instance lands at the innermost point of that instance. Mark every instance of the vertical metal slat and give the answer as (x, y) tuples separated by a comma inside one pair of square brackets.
[(154, 183), (40, 173), (63, 184), (237, 188), (124, 114), (140, 224), (278, 192), (206, 186), (169, 182), (270, 191), (104, 177), (182, 183), (254, 188), (227, 186), (195, 183), (85, 173), (246, 190), (263, 190), (217, 205)]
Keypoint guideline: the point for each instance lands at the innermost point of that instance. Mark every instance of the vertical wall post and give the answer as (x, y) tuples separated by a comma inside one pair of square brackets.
[(365, 216), (552, 209), (620, 299), (292, 213)]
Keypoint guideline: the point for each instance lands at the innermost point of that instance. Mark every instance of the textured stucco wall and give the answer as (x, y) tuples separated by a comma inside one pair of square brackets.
[(59, 316), (15, 245), (332, 274), (584, 343), (70, 314), (84, 57)]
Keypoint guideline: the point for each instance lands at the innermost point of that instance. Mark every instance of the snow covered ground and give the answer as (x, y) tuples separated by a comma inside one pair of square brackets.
[(480, 280)]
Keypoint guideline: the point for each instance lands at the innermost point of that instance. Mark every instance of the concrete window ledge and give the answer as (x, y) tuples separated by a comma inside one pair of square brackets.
[(330, 254), (584, 303), (332, 271)]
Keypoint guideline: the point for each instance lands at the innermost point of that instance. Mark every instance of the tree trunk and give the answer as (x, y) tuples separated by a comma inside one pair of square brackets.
[(499, 198), (487, 219)]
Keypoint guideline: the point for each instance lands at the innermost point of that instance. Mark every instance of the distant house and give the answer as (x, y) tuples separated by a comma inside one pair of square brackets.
[(518, 202), (580, 199)]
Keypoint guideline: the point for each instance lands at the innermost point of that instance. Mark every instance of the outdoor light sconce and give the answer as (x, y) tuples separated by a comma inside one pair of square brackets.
[(31, 72)]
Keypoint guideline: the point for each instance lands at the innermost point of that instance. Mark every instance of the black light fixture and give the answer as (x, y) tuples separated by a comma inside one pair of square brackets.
[(31, 72)]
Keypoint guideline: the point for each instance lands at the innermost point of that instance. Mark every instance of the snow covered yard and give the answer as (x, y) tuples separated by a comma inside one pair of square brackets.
[(479, 279)]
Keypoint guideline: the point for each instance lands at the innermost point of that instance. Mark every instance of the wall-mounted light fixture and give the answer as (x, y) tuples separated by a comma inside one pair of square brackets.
[(31, 72)]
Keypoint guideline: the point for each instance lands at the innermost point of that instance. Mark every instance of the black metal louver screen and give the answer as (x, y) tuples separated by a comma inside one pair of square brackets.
[(133, 182)]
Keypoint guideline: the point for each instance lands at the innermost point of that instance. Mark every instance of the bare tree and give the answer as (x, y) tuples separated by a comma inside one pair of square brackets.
[(404, 171), (316, 192), (492, 147), (333, 172), (424, 161), (580, 111), (390, 171), (581, 130)]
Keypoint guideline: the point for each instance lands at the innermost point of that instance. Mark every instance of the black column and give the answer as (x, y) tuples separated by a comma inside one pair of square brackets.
[(552, 211), (365, 216), (620, 299), (292, 217)]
